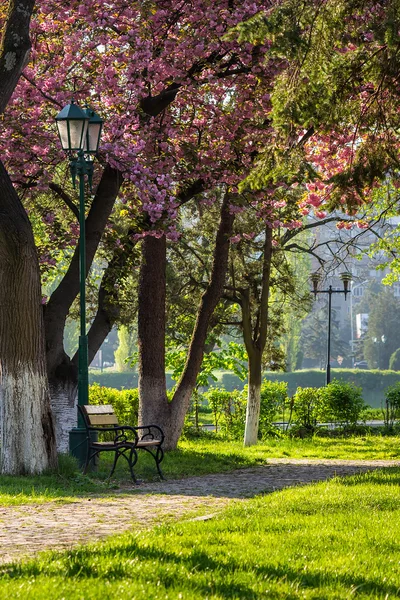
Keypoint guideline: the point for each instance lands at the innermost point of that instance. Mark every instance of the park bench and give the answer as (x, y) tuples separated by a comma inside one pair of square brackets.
[(123, 440)]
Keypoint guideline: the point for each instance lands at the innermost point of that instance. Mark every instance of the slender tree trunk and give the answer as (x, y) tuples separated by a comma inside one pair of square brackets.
[(253, 398), (27, 433), (154, 406), (255, 338)]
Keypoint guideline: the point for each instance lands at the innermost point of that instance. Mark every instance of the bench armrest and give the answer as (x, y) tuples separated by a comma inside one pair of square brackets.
[(148, 433), (120, 437)]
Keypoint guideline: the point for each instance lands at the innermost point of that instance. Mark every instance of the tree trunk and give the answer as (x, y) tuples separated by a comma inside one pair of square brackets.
[(253, 398), (27, 436), (63, 371), (154, 406), (255, 338), (14, 47)]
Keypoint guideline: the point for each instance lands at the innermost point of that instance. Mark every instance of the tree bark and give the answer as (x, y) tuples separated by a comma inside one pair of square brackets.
[(154, 406), (27, 433), (255, 338), (14, 48), (62, 371), (253, 398)]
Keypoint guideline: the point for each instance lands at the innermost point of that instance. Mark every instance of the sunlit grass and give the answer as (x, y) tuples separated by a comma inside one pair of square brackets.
[(332, 540), (193, 457)]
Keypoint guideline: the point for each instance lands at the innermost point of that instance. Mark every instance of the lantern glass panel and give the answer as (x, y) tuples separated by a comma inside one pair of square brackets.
[(77, 132), (63, 133), (93, 137)]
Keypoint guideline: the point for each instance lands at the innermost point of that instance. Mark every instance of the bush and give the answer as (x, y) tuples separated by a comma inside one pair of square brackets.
[(119, 381), (308, 407), (274, 399), (124, 402), (229, 410), (343, 402), (392, 404), (372, 382), (394, 363)]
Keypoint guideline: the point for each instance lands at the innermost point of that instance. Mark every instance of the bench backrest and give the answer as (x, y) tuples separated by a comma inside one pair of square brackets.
[(99, 415)]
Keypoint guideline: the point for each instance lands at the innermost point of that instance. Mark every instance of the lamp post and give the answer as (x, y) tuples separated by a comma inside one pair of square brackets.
[(352, 319), (80, 132), (315, 279), (378, 342)]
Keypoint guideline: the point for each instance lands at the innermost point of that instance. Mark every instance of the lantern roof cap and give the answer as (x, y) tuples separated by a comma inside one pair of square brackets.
[(71, 112)]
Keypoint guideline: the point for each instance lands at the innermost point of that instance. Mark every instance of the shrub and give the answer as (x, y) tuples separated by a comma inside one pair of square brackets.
[(392, 404), (343, 402), (394, 363), (308, 407), (229, 410), (124, 402), (274, 398)]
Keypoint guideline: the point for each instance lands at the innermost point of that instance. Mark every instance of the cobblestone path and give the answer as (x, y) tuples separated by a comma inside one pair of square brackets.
[(27, 529)]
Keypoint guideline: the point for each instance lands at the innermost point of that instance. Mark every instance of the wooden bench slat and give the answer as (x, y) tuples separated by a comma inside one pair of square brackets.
[(143, 443), (103, 420), (101, 409)]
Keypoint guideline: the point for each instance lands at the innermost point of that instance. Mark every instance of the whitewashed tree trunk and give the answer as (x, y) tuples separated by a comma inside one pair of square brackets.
[(64, 408), (26, 444), (27, 432), (255, 328), (253, 400)]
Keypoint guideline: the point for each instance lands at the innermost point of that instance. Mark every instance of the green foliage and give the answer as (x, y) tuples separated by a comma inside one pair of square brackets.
[(394, 363), (274, 399), (229, 410), (372, 382), (231, 356), (383, 329), (343, 402), (124, 402), (127, 346), (392, 404), (119, 381), (308, 408)]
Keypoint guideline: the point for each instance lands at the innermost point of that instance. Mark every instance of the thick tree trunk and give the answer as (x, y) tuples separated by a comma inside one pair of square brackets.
[(27, 436), (14, 47), (154, 406), (253, 398)]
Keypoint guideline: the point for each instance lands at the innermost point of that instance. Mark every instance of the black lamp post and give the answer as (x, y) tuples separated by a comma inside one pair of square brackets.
[(80, 132), (378, 342), (315, 279)]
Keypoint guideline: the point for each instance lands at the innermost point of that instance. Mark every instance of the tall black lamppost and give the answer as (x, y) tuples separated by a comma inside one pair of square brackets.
[(80, 132), (315, 279)]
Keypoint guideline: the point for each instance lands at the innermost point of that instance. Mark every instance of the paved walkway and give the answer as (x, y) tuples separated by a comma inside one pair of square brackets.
[(27, 529)]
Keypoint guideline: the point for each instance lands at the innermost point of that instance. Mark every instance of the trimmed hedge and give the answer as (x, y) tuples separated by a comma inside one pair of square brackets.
[(373, 383), (120, 381), (124, 402)]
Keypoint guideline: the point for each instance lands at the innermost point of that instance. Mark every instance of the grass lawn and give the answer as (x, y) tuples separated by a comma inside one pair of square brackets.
[(195, 457), (333, 540)]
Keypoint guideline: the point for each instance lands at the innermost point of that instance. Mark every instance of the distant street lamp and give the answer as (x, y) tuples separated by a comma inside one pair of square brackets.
[(378, 342), (315, 279), (354, 287), (80, 132)]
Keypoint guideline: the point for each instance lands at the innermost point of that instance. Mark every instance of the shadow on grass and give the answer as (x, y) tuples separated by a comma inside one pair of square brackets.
[(178, 464), (196, 571)]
